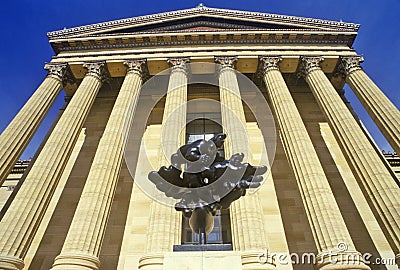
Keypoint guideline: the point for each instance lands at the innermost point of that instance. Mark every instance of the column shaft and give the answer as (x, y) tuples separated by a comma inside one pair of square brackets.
[(165, 221), (247, 227), (21, 129), (22, 219), (82, 245), (326, 222), (379, 107), (373, 175)]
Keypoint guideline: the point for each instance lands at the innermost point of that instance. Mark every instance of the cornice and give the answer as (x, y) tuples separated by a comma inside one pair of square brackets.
[(252, 31), (203, 11), (204, 39)]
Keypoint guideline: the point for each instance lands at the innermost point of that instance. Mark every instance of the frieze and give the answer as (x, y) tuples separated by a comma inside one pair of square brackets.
[(267, 39)]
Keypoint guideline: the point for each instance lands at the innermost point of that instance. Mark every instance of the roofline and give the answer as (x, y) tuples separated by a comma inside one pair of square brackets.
[(201, 9)]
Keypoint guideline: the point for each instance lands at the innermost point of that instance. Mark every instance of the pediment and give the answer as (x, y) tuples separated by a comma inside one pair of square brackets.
[(202, 23), (203, 18)]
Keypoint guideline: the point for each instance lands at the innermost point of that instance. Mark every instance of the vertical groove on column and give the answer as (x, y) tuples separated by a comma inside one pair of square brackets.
[(327, 223), (377, 181), (379, 107), (247, 229), (165, 223), (87, 229), (21, 129), (20, 222)]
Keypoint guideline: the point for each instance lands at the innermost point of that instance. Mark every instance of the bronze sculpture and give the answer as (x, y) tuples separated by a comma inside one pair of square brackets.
[(205, 182)]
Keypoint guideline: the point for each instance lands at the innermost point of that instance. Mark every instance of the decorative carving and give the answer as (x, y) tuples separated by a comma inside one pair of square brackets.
[(201, 6), (309, 64), (269, 63), (137, 66), (179, 64), (56, 70), (96, 69), (226, 62), (349, 64)]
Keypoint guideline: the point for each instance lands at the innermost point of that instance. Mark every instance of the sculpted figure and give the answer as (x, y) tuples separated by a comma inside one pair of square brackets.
[(204, 181)]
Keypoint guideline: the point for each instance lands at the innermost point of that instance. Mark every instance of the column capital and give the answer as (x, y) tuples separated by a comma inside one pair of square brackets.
[(268, 63), (56, 70), (226, 62), (310, 63), (137, 66), (180, 64), (96, 69), (348, 64)]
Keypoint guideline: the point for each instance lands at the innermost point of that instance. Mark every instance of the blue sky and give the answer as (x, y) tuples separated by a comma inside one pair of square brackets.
[(24, 47)]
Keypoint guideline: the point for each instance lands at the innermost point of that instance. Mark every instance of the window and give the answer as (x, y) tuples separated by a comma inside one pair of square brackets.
[(203, 128), (221, 234)]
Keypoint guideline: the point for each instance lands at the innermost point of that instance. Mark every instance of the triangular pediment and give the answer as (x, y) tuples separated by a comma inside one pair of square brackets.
[(203, 18), (202, 23)]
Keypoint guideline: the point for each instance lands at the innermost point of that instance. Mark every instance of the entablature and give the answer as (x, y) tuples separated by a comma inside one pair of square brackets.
[(203, 26), (247, 64), (204, 39)]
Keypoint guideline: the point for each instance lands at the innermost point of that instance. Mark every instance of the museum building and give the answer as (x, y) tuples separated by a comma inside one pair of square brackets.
[(139, 88)]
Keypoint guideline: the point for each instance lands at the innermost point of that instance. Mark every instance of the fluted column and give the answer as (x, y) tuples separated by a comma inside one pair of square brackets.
[(232, 112), (21, 129), (326, 222), (22, 219), (81, 248), (248, 233), (384, 113), (373, 175), (165, 222)]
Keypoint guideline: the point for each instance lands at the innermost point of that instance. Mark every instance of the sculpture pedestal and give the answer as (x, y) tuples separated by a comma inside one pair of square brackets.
[(205, 260), (209, 247), (202, 260)]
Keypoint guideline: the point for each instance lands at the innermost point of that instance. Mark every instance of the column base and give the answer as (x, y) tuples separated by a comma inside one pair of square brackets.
[(340, 261), (72, 261), (257, 260), (11, 263), (152, 261)]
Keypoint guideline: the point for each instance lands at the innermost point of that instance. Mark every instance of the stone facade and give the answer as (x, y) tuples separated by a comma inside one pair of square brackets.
[(329, 195)]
